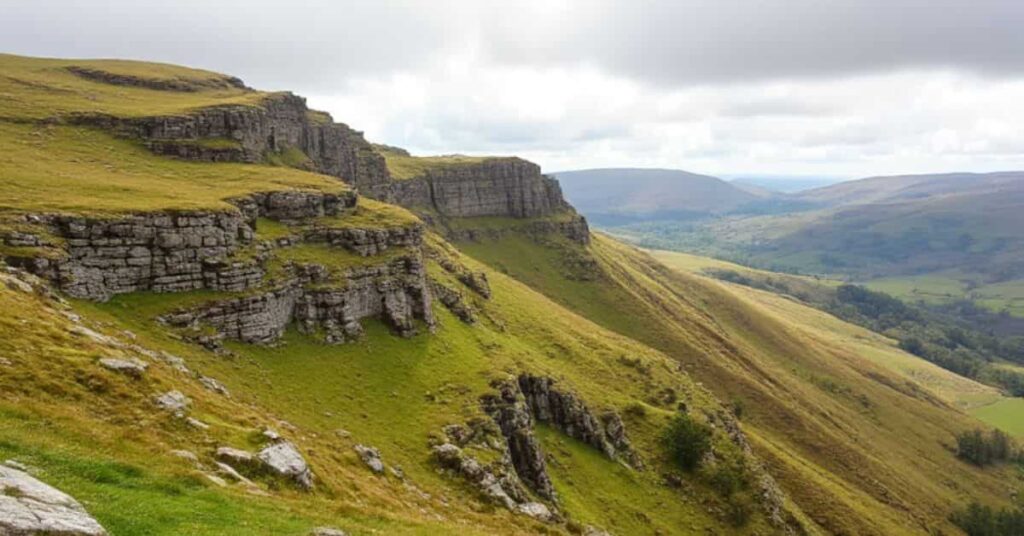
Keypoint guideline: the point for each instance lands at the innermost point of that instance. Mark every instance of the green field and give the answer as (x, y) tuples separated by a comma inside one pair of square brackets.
[(1006, 414)]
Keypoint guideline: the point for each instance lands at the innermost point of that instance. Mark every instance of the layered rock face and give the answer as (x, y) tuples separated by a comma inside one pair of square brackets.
[(395, 291), (167, 251), (494, 187), (249, 134)]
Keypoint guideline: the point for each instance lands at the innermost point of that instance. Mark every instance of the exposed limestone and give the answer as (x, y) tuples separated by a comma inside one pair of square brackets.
[(498, 484), (173, 401), (371, 457), (453, 301), (368, 242), (574, 228), (494, 187), (395, 291), (283, 459), (237, 458), (282, 122), (509, 410), (28, 506), (130, 367), (214, 385), (167, 84), (535, 510), (327, 531), (567, 412)]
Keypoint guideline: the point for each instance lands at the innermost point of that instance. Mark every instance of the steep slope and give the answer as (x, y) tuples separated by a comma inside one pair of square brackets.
[(619, 195), (219, 340), (858, 446)]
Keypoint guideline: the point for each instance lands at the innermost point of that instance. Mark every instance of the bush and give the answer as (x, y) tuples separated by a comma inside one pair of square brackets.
[(687, 441), (982, 449), (981, 520)]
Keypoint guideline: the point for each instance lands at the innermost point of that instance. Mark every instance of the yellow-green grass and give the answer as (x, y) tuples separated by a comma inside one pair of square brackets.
[(858, 446), (1006, 414), (370, 213), (396, 393), (84, 171), (403, 166), (929, 288), (40, 88)]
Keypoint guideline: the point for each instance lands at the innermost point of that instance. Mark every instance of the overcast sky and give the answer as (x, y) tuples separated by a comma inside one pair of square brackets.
[(802, 87)]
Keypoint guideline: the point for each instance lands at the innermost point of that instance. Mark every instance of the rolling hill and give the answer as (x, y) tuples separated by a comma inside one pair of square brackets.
[(628, 194), (225, 313)]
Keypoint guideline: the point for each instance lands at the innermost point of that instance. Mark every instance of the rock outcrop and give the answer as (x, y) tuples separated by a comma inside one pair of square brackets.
[(509, 410), (167, 251), (510, 187), (240, 133), (395, 291), (28, 506), (565, 411), (283, 458)]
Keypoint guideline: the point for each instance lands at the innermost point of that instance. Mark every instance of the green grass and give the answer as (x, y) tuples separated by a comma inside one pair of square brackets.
[(290, 157), (1006, 414), (839, 413), (370, 213), (82, 171), (403, 166), (38, 88)]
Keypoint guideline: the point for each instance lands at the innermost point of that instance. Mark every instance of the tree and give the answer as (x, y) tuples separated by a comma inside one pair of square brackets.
[(687, 441)]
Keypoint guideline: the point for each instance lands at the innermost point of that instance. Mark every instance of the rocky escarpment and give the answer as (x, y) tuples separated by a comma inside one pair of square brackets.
[(492, 187), (565, 411), (160, 84), (169, 251), (395, 291), (281, 125)]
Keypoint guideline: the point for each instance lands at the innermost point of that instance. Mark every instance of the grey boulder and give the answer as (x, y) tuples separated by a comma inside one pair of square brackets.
[(28, 506)]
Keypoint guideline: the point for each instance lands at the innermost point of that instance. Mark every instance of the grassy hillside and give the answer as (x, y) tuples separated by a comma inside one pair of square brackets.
[(859, 446)]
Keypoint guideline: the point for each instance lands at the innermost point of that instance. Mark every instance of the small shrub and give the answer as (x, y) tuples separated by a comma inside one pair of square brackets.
[(982, 449), (636, 409), (687, 441)]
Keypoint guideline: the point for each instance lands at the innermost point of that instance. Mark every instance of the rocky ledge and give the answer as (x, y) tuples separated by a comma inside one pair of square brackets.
[(282, 123)]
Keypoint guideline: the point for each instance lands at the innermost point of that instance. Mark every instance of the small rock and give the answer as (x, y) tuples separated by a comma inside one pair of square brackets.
[(28, 506), (284, 459), (196, 423), (341, 432), (371, 457), (236, 457), (535, 510), (83, 331), (591, 530), (174, 401), (14, 283), (186, 455), (129, 367), (397, 472), (5, 362), (15, 464), (214, 386), (327, 531), (175, 362), (231, 473), (271, 434), (216, 480)]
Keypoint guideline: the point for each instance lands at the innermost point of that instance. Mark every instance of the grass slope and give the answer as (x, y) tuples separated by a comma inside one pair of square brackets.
[(860, 447)]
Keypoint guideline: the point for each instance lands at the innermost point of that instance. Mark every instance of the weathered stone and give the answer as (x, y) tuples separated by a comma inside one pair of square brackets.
[(535, 510), (371, 457), (28, 506), (196, 423), (237, 458), (327, 531), (173, 401), (510, 412), (453, 301), (283, 459), (130, 367), (214, 385)]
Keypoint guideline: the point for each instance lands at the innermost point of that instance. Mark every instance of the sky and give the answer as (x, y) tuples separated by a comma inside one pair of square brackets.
[(837, 88)]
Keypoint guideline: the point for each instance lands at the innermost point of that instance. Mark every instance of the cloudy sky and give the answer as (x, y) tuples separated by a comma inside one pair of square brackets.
[(732, 87)]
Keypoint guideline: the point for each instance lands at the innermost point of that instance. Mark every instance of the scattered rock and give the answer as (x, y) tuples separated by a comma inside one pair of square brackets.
[(231, 473), (95, 336), (28, 506), (591, 530), (16, 284), (214, 385), (186, 455), (174, 401), (510, 411), (343, 433), (327, 531), (371, 457), (5, 362), (535, 510), (284, 459), (237, 458), (196, 423), (15, 464), (175, 362), (503, 489), (216, 480), (271, 434), (129, 367)]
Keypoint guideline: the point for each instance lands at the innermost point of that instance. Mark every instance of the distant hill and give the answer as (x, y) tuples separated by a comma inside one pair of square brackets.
[(902, 188), (782, 183), (621, 195)]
